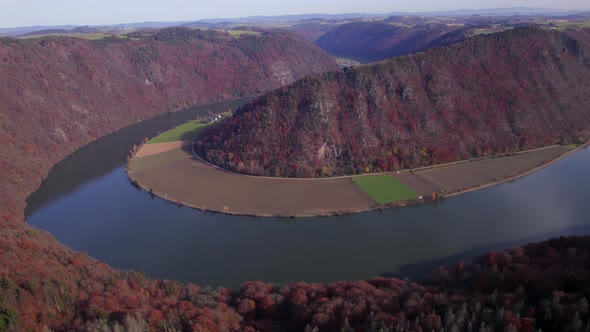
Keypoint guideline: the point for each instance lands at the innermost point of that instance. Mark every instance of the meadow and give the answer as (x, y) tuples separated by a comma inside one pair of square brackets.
[(385, 189)]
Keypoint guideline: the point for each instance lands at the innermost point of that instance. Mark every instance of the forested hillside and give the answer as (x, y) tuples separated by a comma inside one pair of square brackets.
[(372, 41), (499, 93), (59, 93)]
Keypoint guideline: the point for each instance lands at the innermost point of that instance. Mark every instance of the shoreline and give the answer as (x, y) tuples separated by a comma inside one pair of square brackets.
[(338, 212), (523, 174)]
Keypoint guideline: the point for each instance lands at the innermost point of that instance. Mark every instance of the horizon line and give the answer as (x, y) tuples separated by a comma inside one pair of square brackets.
[(237, 18)]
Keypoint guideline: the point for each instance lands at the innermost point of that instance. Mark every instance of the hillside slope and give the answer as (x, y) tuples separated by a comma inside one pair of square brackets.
[(59, 93), (372, 41), (515, 90), (43, 283)]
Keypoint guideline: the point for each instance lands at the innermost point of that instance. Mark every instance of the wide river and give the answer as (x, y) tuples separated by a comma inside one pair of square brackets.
[(88, 203)]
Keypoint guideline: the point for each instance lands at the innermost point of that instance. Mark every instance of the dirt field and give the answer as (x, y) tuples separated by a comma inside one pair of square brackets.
[(419, 185), (172, 172), (151, 149), (479, 173), (178, 177), (161, 159)]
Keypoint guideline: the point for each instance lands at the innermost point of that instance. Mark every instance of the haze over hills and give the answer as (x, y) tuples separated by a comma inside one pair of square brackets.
[(368, 41), (258, 20), (372, 41), (515, 90), (514, 11), (60, 93)]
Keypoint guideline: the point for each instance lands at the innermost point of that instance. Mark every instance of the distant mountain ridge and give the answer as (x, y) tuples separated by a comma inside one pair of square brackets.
[(498, 93), (506, 12), (59, 93), (302, 17), (291, 18), (372, 41)]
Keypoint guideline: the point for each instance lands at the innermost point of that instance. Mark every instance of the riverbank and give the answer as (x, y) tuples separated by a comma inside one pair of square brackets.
[(172, 172)]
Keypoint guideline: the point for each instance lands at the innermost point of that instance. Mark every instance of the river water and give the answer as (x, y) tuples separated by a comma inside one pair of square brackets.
[(88, 204)]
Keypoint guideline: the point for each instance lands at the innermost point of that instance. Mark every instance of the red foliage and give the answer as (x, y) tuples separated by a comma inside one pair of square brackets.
[(60, 93), (446, 104)]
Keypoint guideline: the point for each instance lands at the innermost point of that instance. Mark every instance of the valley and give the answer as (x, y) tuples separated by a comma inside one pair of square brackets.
[(89, 251)]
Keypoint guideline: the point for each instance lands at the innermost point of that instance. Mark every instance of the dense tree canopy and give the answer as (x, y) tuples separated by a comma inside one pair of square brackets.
[(500, 93), (60, 93)]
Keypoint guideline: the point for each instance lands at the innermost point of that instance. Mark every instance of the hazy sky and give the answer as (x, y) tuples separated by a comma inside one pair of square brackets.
[(15, 13)]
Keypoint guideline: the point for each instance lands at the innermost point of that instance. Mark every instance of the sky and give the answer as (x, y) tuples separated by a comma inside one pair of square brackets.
[(17, 13)]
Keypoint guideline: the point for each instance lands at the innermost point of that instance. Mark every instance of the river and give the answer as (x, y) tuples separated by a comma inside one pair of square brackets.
[(88, 204)]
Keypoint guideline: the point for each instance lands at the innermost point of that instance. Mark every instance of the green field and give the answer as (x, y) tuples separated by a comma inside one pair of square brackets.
[(184, 132), (88, 36), (385, 188), (571, 146), (579, 24), (244, 32)]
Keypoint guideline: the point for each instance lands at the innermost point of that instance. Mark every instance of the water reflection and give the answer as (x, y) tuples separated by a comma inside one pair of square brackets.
[(107, 153), (111, 220)]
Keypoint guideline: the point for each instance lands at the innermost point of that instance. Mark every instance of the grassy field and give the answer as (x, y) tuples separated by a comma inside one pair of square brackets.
[(579, 24), (88, 36), (184, 132), (243, 32), (571, 146), (385, 188), (476, 32)]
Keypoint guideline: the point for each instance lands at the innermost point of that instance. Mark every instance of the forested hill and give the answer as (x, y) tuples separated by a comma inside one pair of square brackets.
[(59, 93), (504, 92), (372, 41)]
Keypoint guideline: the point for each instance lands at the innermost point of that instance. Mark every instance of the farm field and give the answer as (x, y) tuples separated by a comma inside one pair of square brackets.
[(471, 174), (184, 132), (171, 171), (161, 159), (156, 148), (385, 188), (200, 185), (243, 32), (167, 167), (417, 184)]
